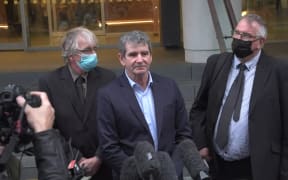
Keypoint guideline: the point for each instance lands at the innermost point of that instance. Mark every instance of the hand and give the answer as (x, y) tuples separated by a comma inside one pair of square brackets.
[(91, 165), (39, 118), (204, 153)]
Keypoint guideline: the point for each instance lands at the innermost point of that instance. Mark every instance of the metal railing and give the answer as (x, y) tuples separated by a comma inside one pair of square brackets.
[(216, 23)]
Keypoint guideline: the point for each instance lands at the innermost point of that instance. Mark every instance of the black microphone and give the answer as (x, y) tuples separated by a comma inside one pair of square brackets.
[(129, 170), (167, 168), (147, 163), (192, 160)]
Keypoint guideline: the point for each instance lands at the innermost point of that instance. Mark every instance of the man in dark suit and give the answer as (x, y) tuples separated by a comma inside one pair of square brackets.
[(139, 106), (72, 91), (256, 142)]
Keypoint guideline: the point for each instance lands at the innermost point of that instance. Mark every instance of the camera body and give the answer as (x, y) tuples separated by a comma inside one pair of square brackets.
[(12, 120)]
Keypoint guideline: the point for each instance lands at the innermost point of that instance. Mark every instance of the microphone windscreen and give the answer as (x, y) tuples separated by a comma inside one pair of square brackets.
[(146, 161), (129, 170), (191, 158), (167, 168)]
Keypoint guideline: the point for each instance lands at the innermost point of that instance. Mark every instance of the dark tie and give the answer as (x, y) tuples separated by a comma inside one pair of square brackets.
[(232, 106), (79, 87)]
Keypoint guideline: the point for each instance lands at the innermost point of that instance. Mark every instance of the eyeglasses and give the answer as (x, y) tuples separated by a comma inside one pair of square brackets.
[(88, 50), (244, 36)]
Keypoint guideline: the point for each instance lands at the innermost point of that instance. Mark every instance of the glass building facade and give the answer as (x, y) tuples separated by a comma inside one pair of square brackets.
[(40, 24), (46, 20)]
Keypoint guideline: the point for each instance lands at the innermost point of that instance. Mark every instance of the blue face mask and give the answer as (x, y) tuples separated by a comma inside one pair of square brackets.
[(88, 62)]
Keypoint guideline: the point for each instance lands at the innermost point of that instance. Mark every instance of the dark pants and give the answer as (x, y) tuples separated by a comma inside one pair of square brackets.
[(234, 170)]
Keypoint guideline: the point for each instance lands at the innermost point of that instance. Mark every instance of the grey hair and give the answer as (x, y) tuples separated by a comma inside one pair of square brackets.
[(70, 40), (251, 18), (134, 37)]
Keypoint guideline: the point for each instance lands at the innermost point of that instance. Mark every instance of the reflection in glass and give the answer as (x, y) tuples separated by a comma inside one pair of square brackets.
[(274, 12), (69, 14), (38, 22), (10, 22)]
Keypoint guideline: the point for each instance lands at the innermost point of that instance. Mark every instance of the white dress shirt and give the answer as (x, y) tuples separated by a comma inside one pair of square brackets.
[(238, 141)]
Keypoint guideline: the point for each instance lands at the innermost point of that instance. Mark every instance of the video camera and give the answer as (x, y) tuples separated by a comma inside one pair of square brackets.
[(14, 129), (12, 120)]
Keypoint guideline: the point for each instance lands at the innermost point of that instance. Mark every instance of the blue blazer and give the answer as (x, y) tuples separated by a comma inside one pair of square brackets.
[(122, 124)]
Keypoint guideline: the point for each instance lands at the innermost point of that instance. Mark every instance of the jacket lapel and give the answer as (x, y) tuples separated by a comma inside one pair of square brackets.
[(93, 83), (219, 81), (157, 95), (129, 95), (67, 81), (263, 70)]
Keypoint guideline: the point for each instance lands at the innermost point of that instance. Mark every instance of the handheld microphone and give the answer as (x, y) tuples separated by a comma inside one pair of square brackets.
[(192, 160), (167, 168), (129, 170), (147, 164)]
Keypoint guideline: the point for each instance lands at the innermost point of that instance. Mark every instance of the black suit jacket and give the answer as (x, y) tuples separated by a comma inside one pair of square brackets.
[(268, 127), (122, 124), (74, 120)]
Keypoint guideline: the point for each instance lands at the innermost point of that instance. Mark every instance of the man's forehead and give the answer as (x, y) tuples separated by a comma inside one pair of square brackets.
[(246, 26), (132, 45)]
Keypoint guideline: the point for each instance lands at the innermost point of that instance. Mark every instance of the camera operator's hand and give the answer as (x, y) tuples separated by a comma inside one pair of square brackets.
[(90, 165), (39, 118)]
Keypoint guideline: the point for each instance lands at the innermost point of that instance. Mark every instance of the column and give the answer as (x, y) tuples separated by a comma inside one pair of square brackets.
[(199, 37)]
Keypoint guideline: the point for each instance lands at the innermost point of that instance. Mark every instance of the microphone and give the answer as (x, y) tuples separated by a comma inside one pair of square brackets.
[(147, 163), (129, 170), (167, 168), (192, 160)]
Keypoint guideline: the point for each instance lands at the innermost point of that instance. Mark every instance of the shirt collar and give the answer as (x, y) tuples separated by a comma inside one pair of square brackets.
[(75, 75), (133, 83), (249, 64)]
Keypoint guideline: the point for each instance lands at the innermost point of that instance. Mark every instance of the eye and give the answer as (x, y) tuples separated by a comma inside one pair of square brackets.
[(132, 54), (87, 50), (144, 53), (244, 35), (247, 35)]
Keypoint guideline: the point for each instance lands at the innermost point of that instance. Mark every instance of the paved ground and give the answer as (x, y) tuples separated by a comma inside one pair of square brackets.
[(24, 68)]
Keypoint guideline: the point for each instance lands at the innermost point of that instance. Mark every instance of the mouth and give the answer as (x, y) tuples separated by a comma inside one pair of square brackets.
[(140, 67)]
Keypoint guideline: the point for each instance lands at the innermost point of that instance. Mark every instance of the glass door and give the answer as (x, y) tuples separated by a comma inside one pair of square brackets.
[(12, 34)]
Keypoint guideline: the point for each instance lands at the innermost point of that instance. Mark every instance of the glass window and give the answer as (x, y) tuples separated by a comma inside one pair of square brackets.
[(10, 22), (274, 12)]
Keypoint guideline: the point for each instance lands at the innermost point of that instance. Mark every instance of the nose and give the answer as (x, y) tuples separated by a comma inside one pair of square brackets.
[(139, 56)]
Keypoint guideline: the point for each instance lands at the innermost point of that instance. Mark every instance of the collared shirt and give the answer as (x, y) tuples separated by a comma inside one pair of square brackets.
[(238, 142), (146, 102), (75, 76)]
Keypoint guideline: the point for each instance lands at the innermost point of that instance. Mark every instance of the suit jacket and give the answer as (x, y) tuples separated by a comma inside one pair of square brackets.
[(268, 130), (122, 124), (74, 120)]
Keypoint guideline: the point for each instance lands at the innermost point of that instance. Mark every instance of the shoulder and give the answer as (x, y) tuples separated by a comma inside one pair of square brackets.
[(112, 85), (214, 58), (103, 70), (163, 81), (278, 63), (159, 78), (104, 73), (54, 74)]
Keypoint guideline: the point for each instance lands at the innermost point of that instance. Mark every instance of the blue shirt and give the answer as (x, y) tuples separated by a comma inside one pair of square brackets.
[(146, 102), (238, 142)]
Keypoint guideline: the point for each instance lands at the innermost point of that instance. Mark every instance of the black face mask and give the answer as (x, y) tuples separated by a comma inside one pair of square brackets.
[(241, 48)]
